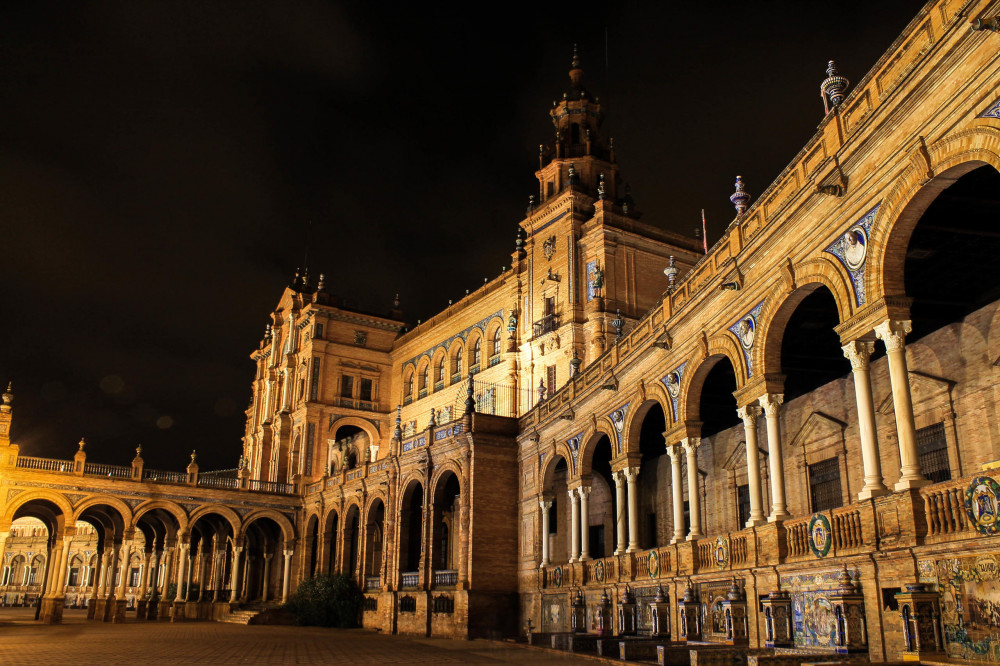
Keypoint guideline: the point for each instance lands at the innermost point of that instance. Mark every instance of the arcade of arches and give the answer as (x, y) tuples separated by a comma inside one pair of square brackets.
[(793, 444)]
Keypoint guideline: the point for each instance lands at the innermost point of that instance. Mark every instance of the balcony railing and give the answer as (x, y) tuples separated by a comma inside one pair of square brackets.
[(45, 464), (354, 403), (546, 324), (102, 469), (438, 385), (421, 394), (494, 360), (445, 578), (272, 487), (409, 579), (373, 582), (229, 483), (407, 399), (160, 476)]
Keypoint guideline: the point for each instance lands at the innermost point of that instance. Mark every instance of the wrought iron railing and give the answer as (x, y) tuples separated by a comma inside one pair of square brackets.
[(546, 324)]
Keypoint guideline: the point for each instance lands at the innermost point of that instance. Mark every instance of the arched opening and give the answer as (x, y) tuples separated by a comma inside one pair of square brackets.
[(159, 528), (109, 595), (351, 448), (374, 540), (330, 541), (949, 272), (411, 526), (601, 504), (312, 546), (263, 545), (555, 493), (352, 541), (655, 520), (447, 511), (211, 558)]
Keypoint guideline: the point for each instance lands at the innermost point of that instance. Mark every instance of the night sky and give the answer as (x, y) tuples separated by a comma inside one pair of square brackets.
[(165, 166)]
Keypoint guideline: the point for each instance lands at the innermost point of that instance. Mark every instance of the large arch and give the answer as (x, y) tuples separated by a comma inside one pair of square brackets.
[(950, 158), (165, 505), (589, 443), (654, 395), (235, 524), (124, 512), (365, 425), (287, 529), (773, 333), (58, 500)]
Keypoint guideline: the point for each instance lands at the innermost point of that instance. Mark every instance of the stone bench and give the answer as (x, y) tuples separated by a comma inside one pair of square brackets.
[(801, 657), (724, 655)]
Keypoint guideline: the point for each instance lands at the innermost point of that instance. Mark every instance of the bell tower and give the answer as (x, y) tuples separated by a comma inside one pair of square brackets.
[(579, 157)]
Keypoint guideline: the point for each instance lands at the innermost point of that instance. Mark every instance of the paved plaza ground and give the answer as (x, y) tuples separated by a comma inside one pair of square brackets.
[(77, 641)]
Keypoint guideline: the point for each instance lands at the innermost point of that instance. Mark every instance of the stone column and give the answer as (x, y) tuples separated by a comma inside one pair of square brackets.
[(144, 575), (267, 576), (188, 575), (163, 581), (109, 581), (690, 445), (182, 564), (771, 402), (574, 528), (619, 478), (858, 353), (676, 481), (202, 556), (545, 505), (218, 574), (123, 582), (893, 334), (584, 492), (234, 575), (286, 576), (749, 415), (631, 474)]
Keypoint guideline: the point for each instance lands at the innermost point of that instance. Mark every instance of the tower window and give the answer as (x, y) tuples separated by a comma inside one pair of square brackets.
[(574, 133)]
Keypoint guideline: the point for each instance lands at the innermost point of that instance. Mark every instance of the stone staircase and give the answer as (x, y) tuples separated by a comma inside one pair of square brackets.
[(244, 614)]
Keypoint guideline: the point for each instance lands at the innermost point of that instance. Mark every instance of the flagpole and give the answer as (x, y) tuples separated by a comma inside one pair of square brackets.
[(704, 233)]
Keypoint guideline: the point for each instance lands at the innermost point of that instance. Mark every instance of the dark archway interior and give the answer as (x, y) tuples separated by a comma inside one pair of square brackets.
[(651, 442), (949, 270), (811, 353), (654, 470), (717, 405)]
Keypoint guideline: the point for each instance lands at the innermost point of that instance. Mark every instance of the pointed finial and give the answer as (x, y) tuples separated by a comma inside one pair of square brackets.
[(194, 454), (671, 272), (576, 57), (740, 197), (297, 279), (138, 451), (8, 397), (395, 301), (321, 285), (833, 86), (82, 443), (541, 389), (600, 187), (531, 204)]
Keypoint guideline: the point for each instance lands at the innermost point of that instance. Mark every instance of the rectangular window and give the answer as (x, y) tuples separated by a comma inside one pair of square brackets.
[(365, 389), (824, 485), (310, 447), (133, 579), (346, 386), (933, 449), (550, 305), (550, 379), (314, 380), (74, 577), (319, 331), (742, 505)]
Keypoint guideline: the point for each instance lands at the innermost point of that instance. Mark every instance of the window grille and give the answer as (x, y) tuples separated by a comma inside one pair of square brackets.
[(932, 446), (347, 386), (824, 485), (742, 505)]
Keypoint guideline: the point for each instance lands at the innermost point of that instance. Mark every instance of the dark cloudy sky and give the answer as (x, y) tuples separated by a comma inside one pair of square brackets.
[(160, 163)]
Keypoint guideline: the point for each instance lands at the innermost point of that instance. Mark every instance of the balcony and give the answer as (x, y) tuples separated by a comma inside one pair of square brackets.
[(361, 405), (494, 360), (409, 579), (455, 378), (372, 582), (446, 578), (546, 324), (438, 385)]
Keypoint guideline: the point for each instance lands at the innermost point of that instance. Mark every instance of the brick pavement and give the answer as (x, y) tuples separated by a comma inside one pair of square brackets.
[(77, 641)]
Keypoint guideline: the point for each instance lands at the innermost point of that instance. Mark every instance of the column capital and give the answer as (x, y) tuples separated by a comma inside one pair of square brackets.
[(675, 453), (858, 353), (289, 553), (893, 333), (770, 402), (691, 444), (631, 474), (618, 475), (545, 505), (584, 491), (749, 414), (572, 494)]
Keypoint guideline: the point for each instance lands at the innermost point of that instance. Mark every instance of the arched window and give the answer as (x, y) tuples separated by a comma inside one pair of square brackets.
[(408, 387), (439, 370), (495, 343), (425, 377), (456, 362), (477, 352)]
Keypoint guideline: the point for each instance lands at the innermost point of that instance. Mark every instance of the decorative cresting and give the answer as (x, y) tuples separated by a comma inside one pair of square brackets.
[(734, 608), (672, 382), (659, 615), (849, 613), (617, 417), (689, 615), (921, 612), (982, 504), (820, 535), (573, 444), (778, 619), (745, 331), (992, 112), (851, 249), (628, 613)]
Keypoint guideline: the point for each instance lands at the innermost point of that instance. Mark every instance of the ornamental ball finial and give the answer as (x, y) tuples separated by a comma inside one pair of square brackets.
[(833, 86), (740, 197)]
